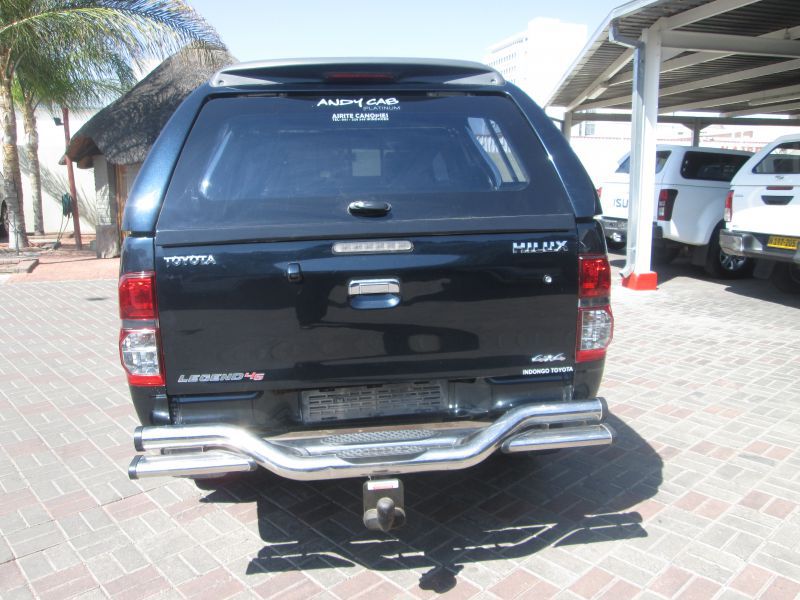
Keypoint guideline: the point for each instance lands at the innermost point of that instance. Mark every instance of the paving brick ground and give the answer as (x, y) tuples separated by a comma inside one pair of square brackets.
[(698, 499)]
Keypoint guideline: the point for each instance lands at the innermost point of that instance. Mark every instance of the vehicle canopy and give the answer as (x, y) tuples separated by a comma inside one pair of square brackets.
[(352, 78)]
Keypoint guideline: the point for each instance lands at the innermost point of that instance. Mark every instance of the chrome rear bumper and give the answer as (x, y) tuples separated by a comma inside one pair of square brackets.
[(741, 243), (195, 450)]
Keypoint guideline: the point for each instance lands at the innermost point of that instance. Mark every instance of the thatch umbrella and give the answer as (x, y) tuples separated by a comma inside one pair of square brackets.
[(124, 131)]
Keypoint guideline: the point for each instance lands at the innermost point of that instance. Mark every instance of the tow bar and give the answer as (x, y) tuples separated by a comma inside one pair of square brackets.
[(384, 508)]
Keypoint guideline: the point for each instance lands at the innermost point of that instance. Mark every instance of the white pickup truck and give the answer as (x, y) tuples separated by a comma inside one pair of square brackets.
[(689, 196), (762, 213)]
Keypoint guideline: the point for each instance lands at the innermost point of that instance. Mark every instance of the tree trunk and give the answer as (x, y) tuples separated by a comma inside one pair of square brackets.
[(17, 237), (32, 149)]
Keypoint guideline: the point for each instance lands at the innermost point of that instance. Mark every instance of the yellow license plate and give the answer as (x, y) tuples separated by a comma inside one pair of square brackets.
[(779, 241)]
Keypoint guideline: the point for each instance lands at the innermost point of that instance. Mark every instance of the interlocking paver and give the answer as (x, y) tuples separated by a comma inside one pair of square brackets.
[(698, 499)]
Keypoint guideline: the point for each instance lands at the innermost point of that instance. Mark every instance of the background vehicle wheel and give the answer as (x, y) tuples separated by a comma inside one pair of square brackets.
[(663, 255), (612, 245), (786, 277), (726, 266)]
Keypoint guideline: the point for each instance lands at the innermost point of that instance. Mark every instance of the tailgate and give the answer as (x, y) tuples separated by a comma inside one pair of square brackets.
[(766, 193), (362, 238), (771, 206), (455, 307), (614, 198)]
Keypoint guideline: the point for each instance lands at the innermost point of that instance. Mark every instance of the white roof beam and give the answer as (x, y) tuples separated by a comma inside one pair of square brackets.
[(775, 100), (763, 110), (762, 96), (701, 57), (706, 11), (731, 44), (597, 84), (788, 65)]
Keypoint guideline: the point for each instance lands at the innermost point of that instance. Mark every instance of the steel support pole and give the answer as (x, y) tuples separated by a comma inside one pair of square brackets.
[(637, 273), (696, 129), (566, 125)]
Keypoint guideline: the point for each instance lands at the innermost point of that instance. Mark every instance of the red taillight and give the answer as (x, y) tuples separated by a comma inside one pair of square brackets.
[(139, 338), (728, 215), (137, 298), (600, 192), (666, 201), (595, 320), (594, 277)]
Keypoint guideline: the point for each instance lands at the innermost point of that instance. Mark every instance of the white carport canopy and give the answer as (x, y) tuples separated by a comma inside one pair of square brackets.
[(728, 58)]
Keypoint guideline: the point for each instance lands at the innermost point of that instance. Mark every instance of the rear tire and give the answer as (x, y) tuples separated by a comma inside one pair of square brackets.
[(726, 266), (786, 277), (664, 254), (612, 245)]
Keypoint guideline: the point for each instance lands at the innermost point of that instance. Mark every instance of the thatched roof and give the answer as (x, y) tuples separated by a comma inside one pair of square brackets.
[(124, 131)]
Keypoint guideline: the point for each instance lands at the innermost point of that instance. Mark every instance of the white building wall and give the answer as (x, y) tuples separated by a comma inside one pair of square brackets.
[(105, 194), (54, 176), (535, 59)]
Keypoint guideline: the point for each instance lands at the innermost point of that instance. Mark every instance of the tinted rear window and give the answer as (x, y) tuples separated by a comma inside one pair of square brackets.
[(783, 159), (711, 166), (304, 158), (661, 160)]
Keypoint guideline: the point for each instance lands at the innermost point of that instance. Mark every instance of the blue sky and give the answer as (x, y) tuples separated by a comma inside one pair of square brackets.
[(258, 29)]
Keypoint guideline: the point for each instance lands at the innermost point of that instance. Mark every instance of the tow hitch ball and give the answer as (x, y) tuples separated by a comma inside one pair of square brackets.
[(383, 504)]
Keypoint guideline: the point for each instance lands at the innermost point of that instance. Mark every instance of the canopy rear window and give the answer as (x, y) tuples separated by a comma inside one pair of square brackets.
[(302, 159), (661, 159), (783, 159), (711, 166)]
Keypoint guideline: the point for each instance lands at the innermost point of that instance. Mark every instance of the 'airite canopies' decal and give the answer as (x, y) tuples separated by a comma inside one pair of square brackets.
[(363, 110), (539, 247), (192, 259), (215, 377)]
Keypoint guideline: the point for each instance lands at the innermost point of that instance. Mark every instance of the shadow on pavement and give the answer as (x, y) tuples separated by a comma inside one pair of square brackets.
[(761, 289), (750, 287), (508, 507), (680, 267)]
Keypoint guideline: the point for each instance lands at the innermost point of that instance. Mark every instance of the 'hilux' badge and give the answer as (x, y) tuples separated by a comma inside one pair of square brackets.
[(539, 247)]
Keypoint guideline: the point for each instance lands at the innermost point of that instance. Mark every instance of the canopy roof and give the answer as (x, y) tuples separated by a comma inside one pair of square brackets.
[(734, 57)]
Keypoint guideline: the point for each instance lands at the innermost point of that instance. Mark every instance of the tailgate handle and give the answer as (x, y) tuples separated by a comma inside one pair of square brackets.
[(777, 200), (373, 286), (368, 294), (369, 208)]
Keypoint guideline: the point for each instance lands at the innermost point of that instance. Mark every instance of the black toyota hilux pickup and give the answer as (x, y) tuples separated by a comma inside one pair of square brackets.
[(361, 268)]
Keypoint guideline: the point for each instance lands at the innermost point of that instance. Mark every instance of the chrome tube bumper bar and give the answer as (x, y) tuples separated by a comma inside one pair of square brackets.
[(217, 449)]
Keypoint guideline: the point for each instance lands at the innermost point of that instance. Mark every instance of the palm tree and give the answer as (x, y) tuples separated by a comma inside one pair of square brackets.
[(38, 31), (63, 81)]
